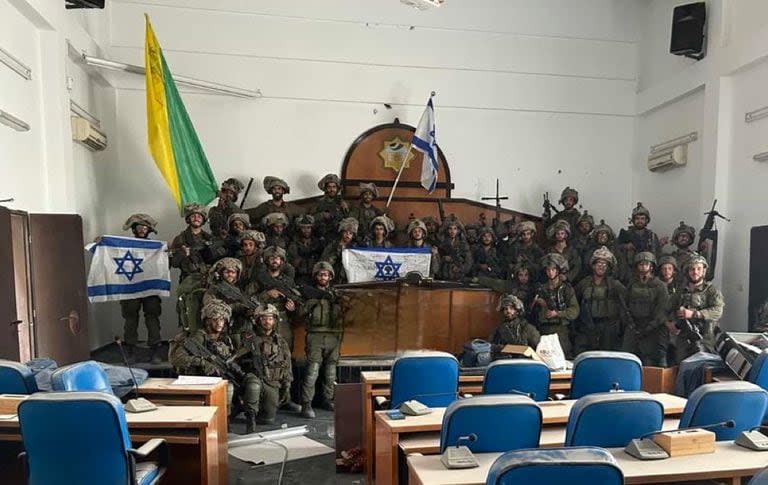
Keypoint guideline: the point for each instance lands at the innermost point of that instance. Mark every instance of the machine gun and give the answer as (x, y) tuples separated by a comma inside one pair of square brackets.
[(225, 368), (708, 233), (286, 291), (689, 331), (314, 293), (548, 207)]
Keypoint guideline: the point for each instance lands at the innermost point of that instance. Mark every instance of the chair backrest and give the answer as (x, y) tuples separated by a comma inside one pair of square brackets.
[(81, 376), (501, 423), (518, 376), (758, 375), (740, 401), (612, 419), (16, 378), (75, 437), (760, 479), (603, 371), (431, 378), (556, 466)]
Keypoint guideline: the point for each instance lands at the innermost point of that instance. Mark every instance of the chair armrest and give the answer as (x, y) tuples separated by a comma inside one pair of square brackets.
[(147, 447)]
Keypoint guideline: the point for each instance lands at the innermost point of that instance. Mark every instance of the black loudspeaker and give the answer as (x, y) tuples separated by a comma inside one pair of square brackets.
[(688, 36), (70, 4)]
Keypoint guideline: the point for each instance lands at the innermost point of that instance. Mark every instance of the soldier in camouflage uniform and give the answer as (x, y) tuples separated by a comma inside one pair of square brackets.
[(324, 321), (518, 284), (486, 260), (252, 244), (379, 229), (638, 238), (142, 225), (223, 286), (268, 364), (331, 208), (525, 250), (277, 188), (432, 234), (218, 215), (570, 214), (668, 270), (682, 240), (603, 235), (472, 235), (557, 302), (697, 305), (600, 300), (277, 287), (559, 234), (305, 249), (237, 224), (417, 232), (646, 336), (584, 227), (455, 255), (332, 253), (514, 329), (276, 225), (365, 212)]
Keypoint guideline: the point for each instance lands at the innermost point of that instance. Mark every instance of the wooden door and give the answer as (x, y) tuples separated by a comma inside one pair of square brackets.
[(59, 287), (9, 342)]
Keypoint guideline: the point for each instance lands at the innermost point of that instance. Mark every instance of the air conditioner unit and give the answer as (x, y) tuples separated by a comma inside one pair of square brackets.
[(87, 134), (667, 159), (423, 4)]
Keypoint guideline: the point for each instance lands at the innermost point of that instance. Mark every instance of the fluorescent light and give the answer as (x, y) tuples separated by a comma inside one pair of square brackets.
[(182, 80), (16, 65), (756, 115), (761, 157), (680, 140), (9, 120)]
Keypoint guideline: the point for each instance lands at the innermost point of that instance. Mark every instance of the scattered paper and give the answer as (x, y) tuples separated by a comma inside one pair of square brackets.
[(267, 453), (195, 381)]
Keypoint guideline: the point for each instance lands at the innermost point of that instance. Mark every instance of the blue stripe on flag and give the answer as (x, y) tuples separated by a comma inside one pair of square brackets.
[(128, 243), (101, 290), (394, 250)]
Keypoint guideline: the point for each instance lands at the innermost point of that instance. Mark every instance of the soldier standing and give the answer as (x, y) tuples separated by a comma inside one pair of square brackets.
[(218, 215), (694, 311), (324, 321), (331, 208), (365, 212), (276, 283), (524, 249), (305, 249), (223, 286), (570, 214), (237, 223), (646, 336), (638, 238), (455, 255), (332, 253), (557, 302), (277, 188), (380, 228), (142, 225), (600, 300), (252, 245), (668, 273), (417, 232), (559, 233), (276, 225), (432, 230), (682, 240), (486, 260), (603, 235), (514, 329)]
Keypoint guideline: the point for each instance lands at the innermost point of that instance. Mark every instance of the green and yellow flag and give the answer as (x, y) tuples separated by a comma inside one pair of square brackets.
[(172, 139)]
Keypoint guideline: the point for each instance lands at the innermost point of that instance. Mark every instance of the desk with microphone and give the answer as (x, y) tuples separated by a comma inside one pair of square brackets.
[(459, 456), (645, 448), (139, 404)]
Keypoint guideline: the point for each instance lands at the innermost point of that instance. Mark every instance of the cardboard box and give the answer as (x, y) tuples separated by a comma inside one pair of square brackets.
[(523, 350), (9, 403), (659, 379), (686, 442)]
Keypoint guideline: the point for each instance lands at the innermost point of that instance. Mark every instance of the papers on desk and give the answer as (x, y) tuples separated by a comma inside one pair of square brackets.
[(195, 381)]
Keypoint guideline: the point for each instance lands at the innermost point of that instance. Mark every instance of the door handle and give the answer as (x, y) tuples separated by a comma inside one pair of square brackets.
[(73, 321)]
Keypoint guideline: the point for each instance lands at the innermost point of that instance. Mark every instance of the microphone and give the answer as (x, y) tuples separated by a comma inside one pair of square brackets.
[(724, 424), (460, 456), (119, 343), (532, 395), (644, 448), (138, 405), (470, 438)]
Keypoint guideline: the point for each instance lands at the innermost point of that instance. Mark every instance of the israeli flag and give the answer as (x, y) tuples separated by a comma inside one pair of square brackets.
[(424, 141), (123, 268), (384, 264)]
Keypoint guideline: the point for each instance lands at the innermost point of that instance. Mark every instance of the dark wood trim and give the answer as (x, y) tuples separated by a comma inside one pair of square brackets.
[(403, 183)]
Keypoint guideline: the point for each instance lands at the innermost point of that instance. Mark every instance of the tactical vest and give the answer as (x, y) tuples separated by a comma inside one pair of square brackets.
[(641, 300), (324, 315), (270, 362), (603, 302)]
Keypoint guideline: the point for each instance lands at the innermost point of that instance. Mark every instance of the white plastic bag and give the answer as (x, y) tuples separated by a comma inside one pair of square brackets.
[(551, 352)]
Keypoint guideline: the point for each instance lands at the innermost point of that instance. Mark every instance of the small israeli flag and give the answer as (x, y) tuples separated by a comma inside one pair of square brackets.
[(424, 141), (124, 268), (384, 264)]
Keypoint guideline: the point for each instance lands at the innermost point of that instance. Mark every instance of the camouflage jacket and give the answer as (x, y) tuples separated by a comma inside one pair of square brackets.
[(574, 261), (302, 254), (284, 282), (269, 358), (256, 214), (530, 255), (322, 310), (218, 217), (571, 216), (455, 259), (434, 261), (232, 295), (364, 215), (332, 255), (601, 301), (514, 332), (248, 282), (186, 363), (328, 212), (705, 298), (490, 258), (563, 299), (647, 302), (200, 253)]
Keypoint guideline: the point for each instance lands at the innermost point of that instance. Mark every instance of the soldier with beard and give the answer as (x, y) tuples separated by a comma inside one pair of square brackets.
[(525, 250), (486, 260), (638, 238), (277, 287), (514, 329), (581, 240), (305, 249), (277, 188), (331, 208), (218, 215), (455, 255), (223, 286), (238, 223), (332, 253), (559, 234), (365, 212), (570, 214), (276, 225), (252, 245), (682, 240)]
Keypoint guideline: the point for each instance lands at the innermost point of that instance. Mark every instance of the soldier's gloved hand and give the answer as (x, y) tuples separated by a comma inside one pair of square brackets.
[(208, 368)]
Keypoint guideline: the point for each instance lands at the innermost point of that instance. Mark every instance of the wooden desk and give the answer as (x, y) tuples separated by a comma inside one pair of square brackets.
[(729, 463), (192, 434), (162, 392), (388, 432), (376, 383)]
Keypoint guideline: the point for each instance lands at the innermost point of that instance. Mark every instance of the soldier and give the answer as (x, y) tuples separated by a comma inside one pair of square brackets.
[(584, 226), (514, 329), (276, 225), (432, 234), (277, 286), (380, 228), (486, 260), (638, 238), (472, 235), (570, 214), (252, 245), (366, 211), (417, 232), (600, 300), (324, 321), (277, 188), (694, 311), (268, 363), (331, 208), (557, 302), (603, 235), (668, 273), (646, 336), (223, 286), (218, 215), (524, 249), (332, 252), (237, 224), (305, 249), (559, 233), (518, 284), (142, 225), (455, 255), (682, 240)]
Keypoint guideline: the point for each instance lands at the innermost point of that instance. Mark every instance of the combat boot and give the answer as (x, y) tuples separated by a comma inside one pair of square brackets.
[(328, 405), (250, 423), (157, 357), (307, 411), (291, 406)]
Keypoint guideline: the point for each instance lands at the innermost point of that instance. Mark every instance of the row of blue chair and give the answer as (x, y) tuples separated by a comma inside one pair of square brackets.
[(16, 378)]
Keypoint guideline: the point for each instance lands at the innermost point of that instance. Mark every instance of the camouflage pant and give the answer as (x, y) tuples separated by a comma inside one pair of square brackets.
[(605, 334), (130, 312), (650, 346), (321, 348), (562, 334), (260, 398)]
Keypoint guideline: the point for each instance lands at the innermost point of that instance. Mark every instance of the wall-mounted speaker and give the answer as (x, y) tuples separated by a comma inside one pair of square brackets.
[(689, 37)]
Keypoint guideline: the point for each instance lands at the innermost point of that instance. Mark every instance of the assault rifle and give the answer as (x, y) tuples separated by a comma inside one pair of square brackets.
[(224, 368), (286, 291), (548, 207), (314, 293), (707, 233)]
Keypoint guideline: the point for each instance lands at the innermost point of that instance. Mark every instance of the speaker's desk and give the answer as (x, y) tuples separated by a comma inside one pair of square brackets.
[(192, 434), (376, 383), (389, 432), (728, 463)]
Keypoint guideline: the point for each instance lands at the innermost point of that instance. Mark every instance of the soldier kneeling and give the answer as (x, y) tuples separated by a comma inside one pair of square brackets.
[(514, 330)]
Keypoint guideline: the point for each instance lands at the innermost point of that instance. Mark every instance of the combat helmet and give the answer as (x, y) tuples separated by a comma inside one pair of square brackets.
[(143, 219), (696, 258), (216, 309), (556, 260), (417, 223), (683, 228), (304, 220), (569, 192), (195, 208), (525, 226), (273, 251), (559, 224), (640, 209), (668, 259), (645, 257), (349, 224), (275, 218), (369, 187), (389, 224), (510, 300), (239, 216), (255, 236), (226, 263), (586, 217), (323, 266), (603, 253), (268, 309), (331, 177), (233, 185), (603, 227), (270, 182)]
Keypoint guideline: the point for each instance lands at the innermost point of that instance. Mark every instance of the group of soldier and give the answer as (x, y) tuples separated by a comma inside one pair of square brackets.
[(244, 283)]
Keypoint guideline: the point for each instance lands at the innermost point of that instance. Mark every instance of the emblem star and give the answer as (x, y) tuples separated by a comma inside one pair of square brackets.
[(387, 270), (134, 266)]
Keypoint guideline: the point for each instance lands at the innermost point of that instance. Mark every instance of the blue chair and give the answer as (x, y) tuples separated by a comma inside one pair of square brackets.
[(81, 376), (501, 423), (431, 378), (16, 378), (603, 371), (102, 450), (612, 419), (740, 401), (556, 466), (518, 376), (758, 374), (760, 479)]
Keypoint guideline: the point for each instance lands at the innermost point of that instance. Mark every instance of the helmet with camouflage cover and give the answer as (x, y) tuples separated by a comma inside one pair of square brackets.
[(603, 227), (233, 185), (683, 228), (510, 300), (486, 230), (521, 266), (195, 208), (328, 178), (389, 224), (273, 251), (452, 220), (645, 257), (255, 236), (603, 254), (369, 187), (640, 209), (525, 226), (323, 266), (569, 192), (696, 258), (417, 223), (305, 220), (226, 263), (268, 309), (275, 218), (143, 219), (586, 217), (430, 220), (556, 260), (558, 225), (668, 259), (239, 216), (349, 224), (270, 182), (215, 309)]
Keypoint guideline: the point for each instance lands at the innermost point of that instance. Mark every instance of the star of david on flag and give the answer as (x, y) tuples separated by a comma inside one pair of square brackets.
[(384, 264), (387, 270), (134, 265)]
